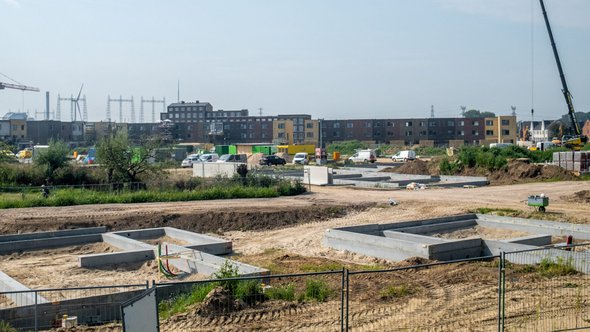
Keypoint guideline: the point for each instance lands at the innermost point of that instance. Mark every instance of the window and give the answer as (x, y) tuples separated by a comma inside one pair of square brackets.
[(226, 126), (461, 123), (450, 123), (408, 123), (176, 115), (264, 126), (489, 133), (489, 122), (281, 135), (475, 123), (390, 124), (336, 125), (14, 127), (475, 133), (422, 123), (349, 125), (505, 132), (243, 135), (423, 133), (22, 127), (505, 122), (367, 124), (309, 134), (408, 133), (309, 125), (349, 134), (243, 126), (281, 125), (251, 126), (336, 134), (461, 133), (389, 133)]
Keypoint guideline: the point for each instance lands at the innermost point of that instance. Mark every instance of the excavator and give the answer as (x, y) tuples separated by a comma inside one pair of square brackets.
[(576, 140)]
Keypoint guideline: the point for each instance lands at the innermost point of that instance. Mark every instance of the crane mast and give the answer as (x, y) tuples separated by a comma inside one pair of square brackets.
[(578, 140)]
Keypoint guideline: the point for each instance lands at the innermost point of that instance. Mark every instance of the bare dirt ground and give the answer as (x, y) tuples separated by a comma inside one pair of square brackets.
[(285, 234)]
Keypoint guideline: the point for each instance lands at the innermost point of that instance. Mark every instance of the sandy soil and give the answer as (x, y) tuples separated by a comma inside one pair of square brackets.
[(285, 228)]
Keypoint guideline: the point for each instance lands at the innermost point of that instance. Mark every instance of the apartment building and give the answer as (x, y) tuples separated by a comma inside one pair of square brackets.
[(500, 129)]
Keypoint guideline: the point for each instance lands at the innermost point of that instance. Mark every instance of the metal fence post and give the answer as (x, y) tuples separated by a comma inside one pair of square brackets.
[(36, 323), (502, 290), (342, 300), (347, 297)]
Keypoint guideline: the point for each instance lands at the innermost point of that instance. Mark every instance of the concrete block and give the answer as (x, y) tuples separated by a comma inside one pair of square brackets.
[(201, 242), (24, 296), (46, 243), (533, 240), (52, 234), (132, 256), (446, 226), (316, 175), (193, 261), (125, 243)]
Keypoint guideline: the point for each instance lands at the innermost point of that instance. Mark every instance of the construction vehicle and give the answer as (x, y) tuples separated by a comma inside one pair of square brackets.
[(577, 140)]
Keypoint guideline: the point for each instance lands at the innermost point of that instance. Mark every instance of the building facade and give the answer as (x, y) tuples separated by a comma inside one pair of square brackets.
[(500, 129)]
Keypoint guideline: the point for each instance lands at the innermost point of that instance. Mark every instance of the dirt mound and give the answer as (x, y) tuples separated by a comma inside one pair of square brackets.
[(520, 171), (219, 301), (417, 166), (582, 196)]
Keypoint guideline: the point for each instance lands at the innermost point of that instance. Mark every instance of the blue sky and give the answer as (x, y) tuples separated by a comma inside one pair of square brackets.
[(329, 58)]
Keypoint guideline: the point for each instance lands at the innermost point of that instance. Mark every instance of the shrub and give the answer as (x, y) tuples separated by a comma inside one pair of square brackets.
[(447, 167), (227, 270), (6, 327), (317, 290), (285, 293), (560, 267), (249, 291)]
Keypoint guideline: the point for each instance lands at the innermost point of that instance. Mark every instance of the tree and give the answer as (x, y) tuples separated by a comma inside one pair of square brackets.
[(52, 158), (122, 161), (6, 153), (479, 114)]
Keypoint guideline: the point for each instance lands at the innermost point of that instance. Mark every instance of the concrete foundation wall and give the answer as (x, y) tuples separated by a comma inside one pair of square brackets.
[(52, 234), (46, 243), (193, 261), (392, 249), (142, 234), (201, 242), (8, 284), (133, 256), (124, 243), (533, 240), (447, 226), (211, 170), (535, 226)]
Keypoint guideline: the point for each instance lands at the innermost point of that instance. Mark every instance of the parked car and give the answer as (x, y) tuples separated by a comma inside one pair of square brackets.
[(272, 160), (209, 157), (232, 158), (363, 156), (300, 158), (404, 155), (190, 160)]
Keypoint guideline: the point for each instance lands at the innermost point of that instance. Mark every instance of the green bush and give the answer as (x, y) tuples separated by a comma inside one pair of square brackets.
[(227, 270), (346, 147), (396, 292), (560, 267), (180, 303), (285, 293), (249, 291), (447, 167), (317, 290)]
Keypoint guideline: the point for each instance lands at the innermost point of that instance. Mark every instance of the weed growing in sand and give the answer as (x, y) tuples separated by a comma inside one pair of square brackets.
[(560, 267), (316, 290), (285, 293), (396, 292)]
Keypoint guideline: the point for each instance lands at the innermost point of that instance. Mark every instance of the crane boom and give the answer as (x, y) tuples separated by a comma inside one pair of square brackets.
[(18, 87), (579, 140)]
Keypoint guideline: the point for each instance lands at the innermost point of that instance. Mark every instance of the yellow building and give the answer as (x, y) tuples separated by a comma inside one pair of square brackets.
[(18, 129), (287, 132), (500, 129)]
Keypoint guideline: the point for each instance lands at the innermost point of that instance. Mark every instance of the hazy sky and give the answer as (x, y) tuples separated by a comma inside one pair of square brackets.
[(328, 58)]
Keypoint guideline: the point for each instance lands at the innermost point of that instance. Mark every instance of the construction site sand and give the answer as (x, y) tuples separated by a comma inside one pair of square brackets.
[(485, 233), (58, 268), (304, 239)]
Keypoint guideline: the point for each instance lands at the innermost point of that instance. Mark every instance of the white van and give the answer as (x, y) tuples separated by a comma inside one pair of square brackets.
[(404, 155), (300, 158), (209, 158), (363, 156)]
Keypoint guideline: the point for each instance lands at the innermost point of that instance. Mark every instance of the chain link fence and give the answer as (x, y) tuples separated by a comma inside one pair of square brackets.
[(533, 290), (44, 309), (547, 289), (428, 297)]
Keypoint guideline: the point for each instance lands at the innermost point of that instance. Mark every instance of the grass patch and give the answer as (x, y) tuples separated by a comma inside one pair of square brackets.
[(392, 292), (329, 266), (549, 268), (285, 293), (67, 197), (316, 290), (181, 303), (498, 211)]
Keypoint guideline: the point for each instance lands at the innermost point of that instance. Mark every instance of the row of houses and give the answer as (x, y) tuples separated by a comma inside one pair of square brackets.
[(198, 122)]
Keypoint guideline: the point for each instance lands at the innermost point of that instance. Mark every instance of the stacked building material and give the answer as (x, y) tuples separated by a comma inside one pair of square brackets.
[(576, 161)]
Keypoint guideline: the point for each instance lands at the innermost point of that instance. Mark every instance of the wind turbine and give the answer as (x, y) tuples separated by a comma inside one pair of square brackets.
[(78, 105)]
